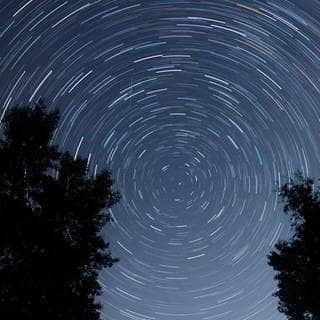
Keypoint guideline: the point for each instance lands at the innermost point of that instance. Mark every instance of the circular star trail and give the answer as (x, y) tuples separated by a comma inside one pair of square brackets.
[(200, 109)]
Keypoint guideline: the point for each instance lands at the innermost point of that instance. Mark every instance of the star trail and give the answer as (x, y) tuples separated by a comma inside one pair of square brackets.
[(200, 109)]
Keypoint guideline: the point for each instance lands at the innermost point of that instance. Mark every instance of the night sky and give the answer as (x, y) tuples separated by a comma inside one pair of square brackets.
[(200, 109)]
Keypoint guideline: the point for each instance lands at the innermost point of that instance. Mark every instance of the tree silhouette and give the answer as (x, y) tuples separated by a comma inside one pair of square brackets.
[(297, 262), (51, 216)]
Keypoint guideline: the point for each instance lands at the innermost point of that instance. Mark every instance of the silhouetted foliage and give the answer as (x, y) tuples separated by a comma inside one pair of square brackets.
[(51, 216), (297, 262)]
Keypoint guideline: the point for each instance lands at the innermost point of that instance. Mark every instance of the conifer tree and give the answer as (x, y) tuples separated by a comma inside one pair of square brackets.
[(52, 212), (297, 261)]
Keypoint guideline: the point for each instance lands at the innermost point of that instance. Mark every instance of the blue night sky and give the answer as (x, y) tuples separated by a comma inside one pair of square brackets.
[(200, 109)]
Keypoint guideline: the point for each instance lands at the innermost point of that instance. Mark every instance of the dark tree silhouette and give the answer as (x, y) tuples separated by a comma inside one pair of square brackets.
[(297, 262), (52, 212)]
